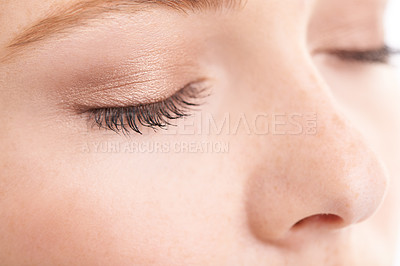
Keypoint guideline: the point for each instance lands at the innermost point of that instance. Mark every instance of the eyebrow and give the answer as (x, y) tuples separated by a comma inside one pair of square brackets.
[(78, 14)]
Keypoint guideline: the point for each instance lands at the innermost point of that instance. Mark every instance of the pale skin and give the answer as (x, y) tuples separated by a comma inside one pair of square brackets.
[(326, 198)]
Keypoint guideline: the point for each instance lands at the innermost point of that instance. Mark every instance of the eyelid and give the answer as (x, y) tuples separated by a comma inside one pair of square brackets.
[(127, 88), (379, 55), (153, 115)]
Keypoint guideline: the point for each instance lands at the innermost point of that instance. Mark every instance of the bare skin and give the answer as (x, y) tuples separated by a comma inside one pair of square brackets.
[(312, 179)]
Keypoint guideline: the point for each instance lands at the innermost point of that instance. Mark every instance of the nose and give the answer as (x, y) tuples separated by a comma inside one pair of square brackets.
[(324, 181)]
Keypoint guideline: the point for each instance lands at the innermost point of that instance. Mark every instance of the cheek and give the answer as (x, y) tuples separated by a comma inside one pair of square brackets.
[(108, 208), (52, 217)]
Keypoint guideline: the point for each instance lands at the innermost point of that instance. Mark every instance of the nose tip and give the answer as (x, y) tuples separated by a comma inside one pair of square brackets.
[(344, 187), (349, 202)]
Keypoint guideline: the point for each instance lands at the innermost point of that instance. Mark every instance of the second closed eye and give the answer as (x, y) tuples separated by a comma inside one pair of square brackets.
[(379, 55)]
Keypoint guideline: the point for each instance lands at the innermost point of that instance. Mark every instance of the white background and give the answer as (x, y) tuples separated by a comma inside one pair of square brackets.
[(393, 40)]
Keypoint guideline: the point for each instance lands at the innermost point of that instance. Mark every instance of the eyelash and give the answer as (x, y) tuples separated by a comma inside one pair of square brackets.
[(154, 115), (381, 55)]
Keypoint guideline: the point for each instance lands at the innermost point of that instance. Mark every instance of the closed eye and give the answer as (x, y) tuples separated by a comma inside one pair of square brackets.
[(156, 115), (381, 55)]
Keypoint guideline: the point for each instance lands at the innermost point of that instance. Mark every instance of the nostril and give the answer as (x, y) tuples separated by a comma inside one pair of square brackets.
[(328, 220)]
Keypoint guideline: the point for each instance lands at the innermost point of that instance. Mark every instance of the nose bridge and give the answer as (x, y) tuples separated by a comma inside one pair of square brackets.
[(332, 172)]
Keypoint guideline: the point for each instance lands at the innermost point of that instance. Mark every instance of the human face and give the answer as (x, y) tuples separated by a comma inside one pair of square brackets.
[(289, 157)]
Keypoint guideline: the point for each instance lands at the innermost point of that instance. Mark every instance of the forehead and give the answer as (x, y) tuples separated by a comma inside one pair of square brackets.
[(20, 15)]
